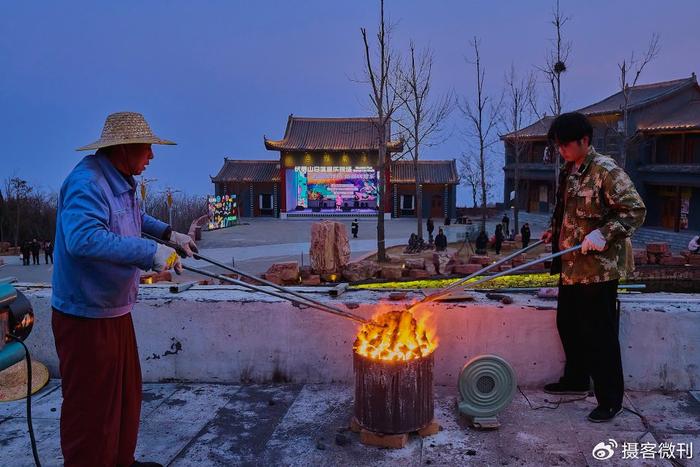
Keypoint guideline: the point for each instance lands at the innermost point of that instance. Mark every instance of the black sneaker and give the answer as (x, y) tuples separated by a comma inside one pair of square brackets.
[(602, 414), (146, 464), (566, 389)]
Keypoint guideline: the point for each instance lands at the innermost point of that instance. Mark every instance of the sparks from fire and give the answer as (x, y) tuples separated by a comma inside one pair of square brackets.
[(395, 336)]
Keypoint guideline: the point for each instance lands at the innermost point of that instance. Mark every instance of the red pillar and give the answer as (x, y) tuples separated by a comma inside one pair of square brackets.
[(283, 187)]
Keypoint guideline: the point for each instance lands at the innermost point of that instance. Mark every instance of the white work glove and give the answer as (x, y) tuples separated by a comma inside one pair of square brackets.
[(166, 258), (594, 241), (184, 241)]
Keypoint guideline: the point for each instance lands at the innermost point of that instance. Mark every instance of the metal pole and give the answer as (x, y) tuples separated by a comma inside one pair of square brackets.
[(446, 290), (526, 265), (307, 300)]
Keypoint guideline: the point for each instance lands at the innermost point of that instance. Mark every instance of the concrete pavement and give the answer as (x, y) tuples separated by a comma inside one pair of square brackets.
[(186, 424)]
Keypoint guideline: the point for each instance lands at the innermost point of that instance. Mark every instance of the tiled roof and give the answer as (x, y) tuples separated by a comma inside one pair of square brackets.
[(536, 130), (684, 118), (639, 95), (236, 170), (330, 134), (428, 172)]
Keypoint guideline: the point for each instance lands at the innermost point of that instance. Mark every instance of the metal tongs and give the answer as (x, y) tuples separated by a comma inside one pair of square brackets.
[(446, 290), (287, 294)]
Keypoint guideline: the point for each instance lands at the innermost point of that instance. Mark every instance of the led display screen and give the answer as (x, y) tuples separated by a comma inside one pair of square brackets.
[(223, 211), (338, 187)]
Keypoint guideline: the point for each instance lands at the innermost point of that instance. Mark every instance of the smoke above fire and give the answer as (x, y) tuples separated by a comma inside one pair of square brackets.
[(395, 336)]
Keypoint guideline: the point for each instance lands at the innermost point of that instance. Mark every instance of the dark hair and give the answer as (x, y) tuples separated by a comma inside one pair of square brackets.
[(569, 127)]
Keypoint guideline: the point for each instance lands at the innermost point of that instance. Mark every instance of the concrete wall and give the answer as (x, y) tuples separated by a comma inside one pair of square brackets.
[(220, 334)]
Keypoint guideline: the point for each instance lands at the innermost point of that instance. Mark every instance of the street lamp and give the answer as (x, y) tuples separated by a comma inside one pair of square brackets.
[(143, 186), (169, 201)]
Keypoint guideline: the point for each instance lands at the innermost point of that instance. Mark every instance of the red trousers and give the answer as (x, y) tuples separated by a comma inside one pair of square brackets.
[(101, 383)]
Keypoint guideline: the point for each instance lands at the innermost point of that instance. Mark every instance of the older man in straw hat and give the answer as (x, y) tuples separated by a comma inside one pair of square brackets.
[(99, 252)]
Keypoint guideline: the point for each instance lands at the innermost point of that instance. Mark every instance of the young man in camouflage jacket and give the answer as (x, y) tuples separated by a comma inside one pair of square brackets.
[(599, 208)]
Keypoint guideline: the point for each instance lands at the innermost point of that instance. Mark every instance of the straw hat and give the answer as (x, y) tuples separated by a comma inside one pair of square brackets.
[(13, 380), (125, 128)]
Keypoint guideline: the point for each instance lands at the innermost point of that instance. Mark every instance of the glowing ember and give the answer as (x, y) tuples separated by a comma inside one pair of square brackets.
[(395, 335)]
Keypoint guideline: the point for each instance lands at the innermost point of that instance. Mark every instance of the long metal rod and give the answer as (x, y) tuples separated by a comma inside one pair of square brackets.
[(454, 285), (535, 289), (524, 266), (306, 300)]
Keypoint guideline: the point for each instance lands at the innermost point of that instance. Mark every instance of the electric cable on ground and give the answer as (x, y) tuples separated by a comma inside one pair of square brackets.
[(30, 427)]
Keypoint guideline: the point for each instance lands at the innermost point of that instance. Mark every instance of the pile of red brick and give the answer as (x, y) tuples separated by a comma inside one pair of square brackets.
[(658, 253)]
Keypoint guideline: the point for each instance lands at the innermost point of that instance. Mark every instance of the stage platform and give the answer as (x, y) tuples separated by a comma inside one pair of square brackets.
[(331, 213)]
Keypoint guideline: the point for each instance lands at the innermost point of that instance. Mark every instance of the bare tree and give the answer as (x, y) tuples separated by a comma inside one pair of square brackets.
[(517, 110), (634, 66), (483, 118), (18, 189), (27, 212), (554, 67), (470, 175), (186, 208), (3, 215), (422, 118), (381, 70)]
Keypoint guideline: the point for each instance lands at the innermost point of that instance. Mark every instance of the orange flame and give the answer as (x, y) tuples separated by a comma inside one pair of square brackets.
[(395, 336)]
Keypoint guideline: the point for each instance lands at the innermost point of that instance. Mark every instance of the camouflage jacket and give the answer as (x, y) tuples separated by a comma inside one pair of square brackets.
[(599, 195)]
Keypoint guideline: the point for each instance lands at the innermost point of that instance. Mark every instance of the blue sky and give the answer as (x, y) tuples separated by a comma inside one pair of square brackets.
[(215, 76)]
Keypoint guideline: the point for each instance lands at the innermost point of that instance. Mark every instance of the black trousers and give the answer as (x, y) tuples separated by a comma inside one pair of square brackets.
[(588, 323)]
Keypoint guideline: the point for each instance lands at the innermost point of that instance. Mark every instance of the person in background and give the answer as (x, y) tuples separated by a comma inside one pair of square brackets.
[(482, 242), (440, 241), (448, 221), (26, 251), (694, 244), (354, 228), (35, 247), (99, 256), (505, 221), (499, 238), (525, 234), (48, 252), (431, 227)]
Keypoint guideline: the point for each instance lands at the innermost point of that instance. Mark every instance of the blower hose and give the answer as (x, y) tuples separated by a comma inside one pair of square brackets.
[(29, 400)]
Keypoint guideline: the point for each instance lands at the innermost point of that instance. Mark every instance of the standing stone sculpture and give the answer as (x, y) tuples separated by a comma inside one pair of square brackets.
[(330, 248)]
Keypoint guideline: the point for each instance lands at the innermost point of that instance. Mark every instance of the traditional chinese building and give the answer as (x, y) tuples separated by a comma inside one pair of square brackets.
[(328, 167), (663, 156)]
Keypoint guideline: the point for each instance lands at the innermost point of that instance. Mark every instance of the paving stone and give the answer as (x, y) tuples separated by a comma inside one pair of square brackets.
[(179, 419), (213, 424), (668, 413), (15, 447), (43, 401), (316, 415), (238, 431), (191, 403), (153, 395)]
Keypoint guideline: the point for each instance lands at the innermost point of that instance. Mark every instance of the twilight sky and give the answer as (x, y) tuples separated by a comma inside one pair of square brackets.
[(215, 76)]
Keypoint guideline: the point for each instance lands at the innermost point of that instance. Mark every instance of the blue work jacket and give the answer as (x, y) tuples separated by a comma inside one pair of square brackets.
[(98, 247)]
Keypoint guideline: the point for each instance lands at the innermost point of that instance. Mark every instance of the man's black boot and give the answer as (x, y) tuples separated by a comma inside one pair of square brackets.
[(603, 414), (146, 464)]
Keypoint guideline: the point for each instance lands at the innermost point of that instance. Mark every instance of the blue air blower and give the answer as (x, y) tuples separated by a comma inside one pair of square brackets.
[(16, 321)]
